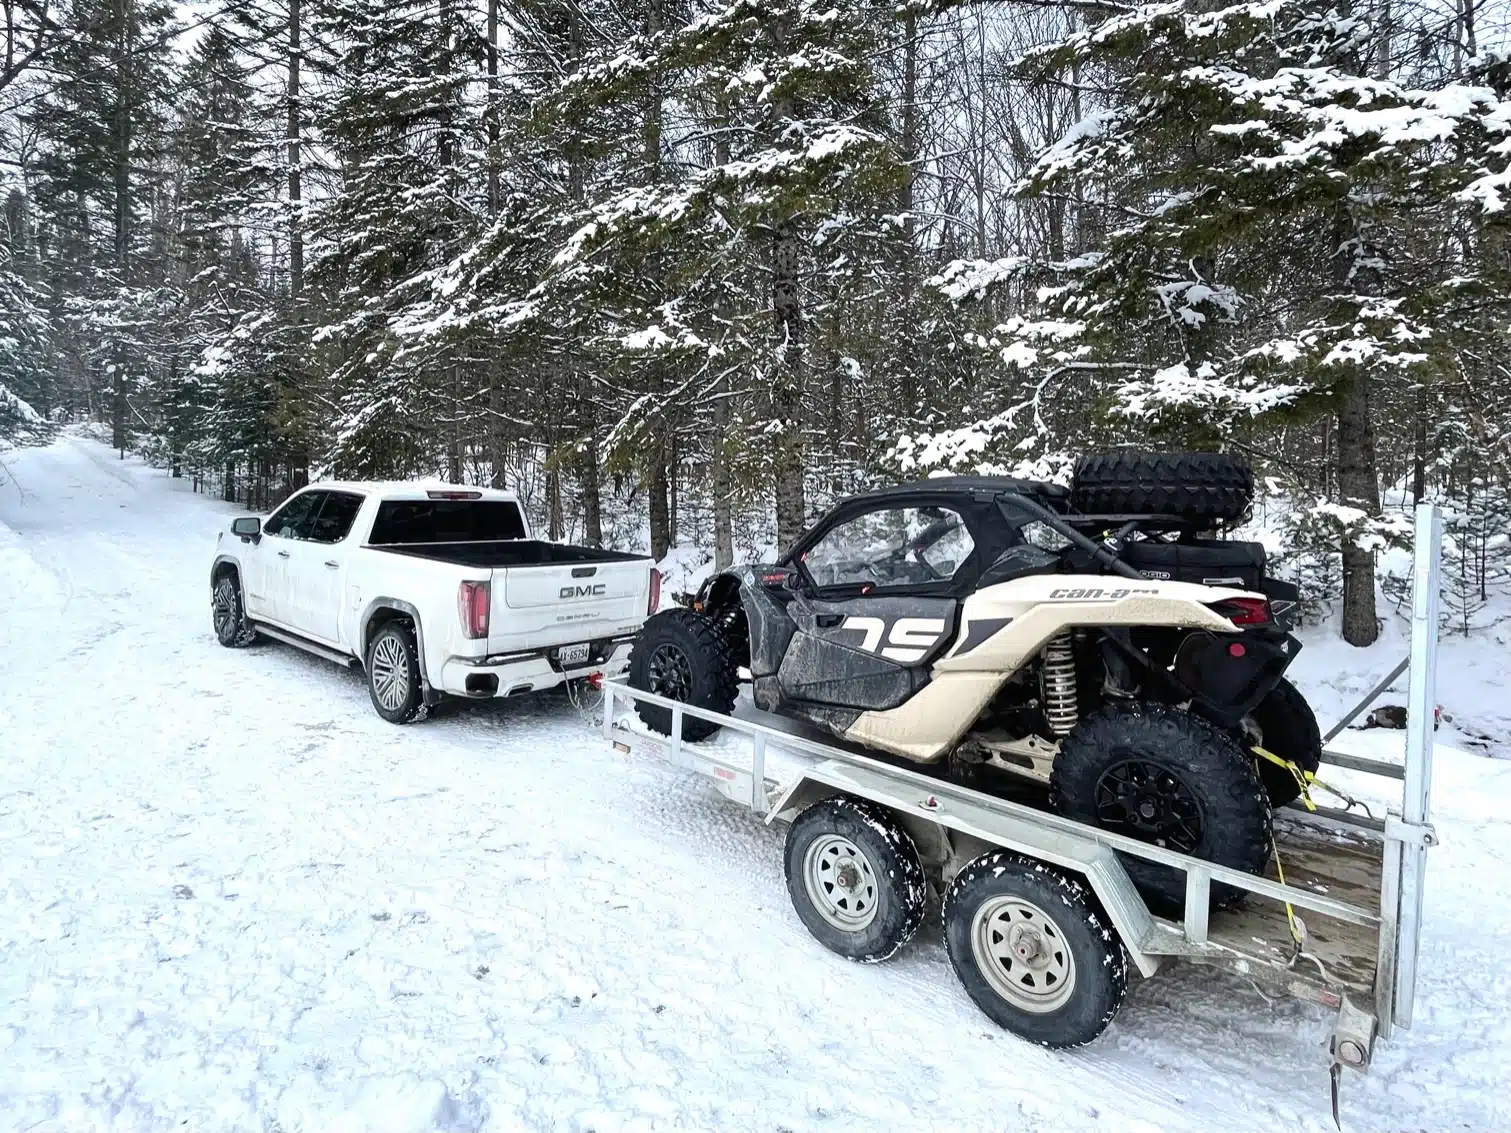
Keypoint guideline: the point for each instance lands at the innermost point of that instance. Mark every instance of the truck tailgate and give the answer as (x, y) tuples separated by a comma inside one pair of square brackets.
[(556, 604)]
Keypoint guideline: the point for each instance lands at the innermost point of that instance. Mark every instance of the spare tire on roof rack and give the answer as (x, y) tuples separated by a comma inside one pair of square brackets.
[(1201, 488)]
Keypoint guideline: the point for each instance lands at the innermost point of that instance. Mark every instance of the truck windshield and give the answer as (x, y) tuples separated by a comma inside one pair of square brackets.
[(446, 521)]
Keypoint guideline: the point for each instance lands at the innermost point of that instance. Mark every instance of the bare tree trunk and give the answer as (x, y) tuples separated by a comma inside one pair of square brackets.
[(787, 384), (592, 499), (723, 482), (296, 236), (724, 544), (555, 520), (1358, 475), (908, 269), (1419, 448), (495, 201), (1358, 487), (122, 171), (660, 511)]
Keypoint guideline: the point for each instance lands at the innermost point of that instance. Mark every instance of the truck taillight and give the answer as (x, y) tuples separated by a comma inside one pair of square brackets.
[(472, 606), (1244, 611), (655, 602)]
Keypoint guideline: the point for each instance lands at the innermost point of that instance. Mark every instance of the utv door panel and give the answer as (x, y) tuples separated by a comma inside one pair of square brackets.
[(866, 652)]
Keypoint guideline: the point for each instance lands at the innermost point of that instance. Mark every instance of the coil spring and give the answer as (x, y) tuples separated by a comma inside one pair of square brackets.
[(1060, 708)]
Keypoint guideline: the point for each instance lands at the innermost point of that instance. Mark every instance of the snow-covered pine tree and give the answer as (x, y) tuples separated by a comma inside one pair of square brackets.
[(102, 130), (1276, 199), (406, 204), (222, 180), (25, 329), (786, 92)]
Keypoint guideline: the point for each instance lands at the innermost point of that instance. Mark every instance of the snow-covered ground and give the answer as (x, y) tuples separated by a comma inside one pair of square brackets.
[(232, 898)]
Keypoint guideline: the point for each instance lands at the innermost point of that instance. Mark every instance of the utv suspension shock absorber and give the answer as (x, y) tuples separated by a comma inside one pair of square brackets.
[(1060, 708)]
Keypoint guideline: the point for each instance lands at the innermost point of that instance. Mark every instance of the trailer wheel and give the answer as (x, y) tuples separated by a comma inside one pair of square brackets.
[(1033, 951), (855, 878)]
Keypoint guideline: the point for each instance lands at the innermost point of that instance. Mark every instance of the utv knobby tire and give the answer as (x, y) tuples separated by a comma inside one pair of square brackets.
[(1065, 989), (870, 913), (711, 679), (395, 650), (1199, 487), (1210, 768), (1286, 727), (228, 613)]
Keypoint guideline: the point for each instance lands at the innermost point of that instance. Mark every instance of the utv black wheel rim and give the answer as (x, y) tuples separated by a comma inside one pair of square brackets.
[(1146, 802), (671, 673)]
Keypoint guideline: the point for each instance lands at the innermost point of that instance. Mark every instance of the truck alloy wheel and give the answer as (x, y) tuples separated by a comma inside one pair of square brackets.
[(227, 614), (393, 674), (390, 673)]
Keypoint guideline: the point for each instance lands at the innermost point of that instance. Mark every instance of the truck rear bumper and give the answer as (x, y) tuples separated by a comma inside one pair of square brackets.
[(481, 678)]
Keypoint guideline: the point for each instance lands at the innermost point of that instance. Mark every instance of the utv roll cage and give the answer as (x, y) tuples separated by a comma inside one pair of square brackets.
[(1019, 502)]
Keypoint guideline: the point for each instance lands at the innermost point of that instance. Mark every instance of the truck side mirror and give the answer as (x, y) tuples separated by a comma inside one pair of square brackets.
[(248, 527)]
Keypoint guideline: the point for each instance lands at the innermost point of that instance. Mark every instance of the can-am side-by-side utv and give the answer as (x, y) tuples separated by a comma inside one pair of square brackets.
[(1098, 639)]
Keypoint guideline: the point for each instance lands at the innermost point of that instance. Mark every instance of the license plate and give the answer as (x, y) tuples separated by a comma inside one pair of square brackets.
[(573, 655)]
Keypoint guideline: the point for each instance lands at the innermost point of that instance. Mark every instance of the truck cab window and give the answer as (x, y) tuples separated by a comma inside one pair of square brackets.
[(296, 517), (410, 522), (336, 516)]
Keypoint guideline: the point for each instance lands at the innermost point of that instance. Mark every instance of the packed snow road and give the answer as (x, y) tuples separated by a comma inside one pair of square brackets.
[(232, 898)]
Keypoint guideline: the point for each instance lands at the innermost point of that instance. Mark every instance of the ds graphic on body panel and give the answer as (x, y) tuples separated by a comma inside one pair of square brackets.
[(1102, 640)]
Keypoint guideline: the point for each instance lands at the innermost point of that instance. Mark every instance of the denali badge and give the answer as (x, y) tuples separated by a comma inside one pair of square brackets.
[(594, 590)]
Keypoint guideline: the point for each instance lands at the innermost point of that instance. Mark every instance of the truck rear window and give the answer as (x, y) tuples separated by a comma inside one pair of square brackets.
[(446, 521)]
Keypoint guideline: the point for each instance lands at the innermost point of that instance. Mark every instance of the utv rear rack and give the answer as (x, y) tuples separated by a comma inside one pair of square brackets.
[(1358, 879)]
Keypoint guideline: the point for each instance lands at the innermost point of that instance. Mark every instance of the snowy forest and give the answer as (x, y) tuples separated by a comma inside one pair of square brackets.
[(680, 272)]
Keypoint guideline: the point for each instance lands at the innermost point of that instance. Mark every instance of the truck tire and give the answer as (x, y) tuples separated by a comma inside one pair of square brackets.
[(393, 673), (855, 878), (1170, 778), (228, 614), (1033, 950), (1200, 487), (1284, 724), (682, 655)]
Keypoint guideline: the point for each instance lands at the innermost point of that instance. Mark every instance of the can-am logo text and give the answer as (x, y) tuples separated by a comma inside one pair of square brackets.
[(594, 590)]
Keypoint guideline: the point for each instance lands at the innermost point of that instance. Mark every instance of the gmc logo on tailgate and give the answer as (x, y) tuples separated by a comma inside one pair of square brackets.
[(595, 590)]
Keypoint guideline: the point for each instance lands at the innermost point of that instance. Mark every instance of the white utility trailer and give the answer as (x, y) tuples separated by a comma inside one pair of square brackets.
[(1357, 878)]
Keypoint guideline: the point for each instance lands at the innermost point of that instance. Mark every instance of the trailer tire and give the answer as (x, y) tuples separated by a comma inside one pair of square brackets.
[(855, 878), (1033, 950), (1284, 724), (682, 655), (1169, 777), (1199, 487)]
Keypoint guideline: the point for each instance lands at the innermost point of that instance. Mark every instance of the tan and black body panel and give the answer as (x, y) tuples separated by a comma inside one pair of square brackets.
[(1005, 626)]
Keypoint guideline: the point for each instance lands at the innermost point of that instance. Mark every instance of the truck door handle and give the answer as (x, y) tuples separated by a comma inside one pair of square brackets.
[(332, 563), (283, 554), (829, 621)]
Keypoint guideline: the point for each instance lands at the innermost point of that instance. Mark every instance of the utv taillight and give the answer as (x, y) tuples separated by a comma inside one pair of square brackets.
[(472, 607), (655, 602), (1244, 611)]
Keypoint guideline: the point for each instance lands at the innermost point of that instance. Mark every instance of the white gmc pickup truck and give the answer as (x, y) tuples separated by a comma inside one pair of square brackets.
[(435, 589)]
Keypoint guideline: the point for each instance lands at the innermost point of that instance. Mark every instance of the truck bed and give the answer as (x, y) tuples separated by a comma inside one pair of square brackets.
[(508, 553)]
